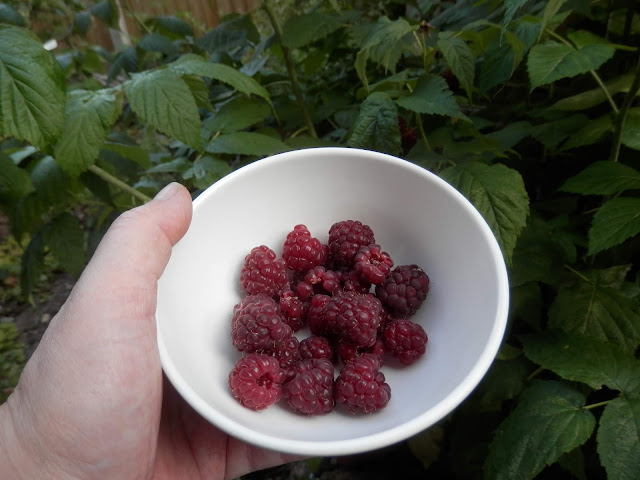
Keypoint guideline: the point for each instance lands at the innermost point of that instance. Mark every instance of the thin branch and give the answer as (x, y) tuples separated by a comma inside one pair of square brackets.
[(622, 114), (596, 405), (107, 177)]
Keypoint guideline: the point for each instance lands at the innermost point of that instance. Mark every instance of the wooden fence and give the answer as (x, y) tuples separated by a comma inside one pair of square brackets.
[(202, 14)]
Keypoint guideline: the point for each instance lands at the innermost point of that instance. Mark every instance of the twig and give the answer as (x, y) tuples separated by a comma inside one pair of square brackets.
[(290, 69), (107, 177), (622, 114), (596, 405)]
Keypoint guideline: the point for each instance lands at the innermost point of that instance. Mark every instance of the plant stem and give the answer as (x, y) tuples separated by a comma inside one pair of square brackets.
[(290, 69), (622, 114), (107, 177), (535, 373), (596, 405), (593, 73), (572, 270), (423, 135)]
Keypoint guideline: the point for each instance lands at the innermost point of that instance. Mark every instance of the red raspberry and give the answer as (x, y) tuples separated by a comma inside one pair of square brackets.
[(287, 352), (316, 316), (361, 386), (292, 310), (352, 282), (256, 325), (404, 290), (301, 251), (354, 317), (405, 340), (345, 238), (327, 280), (348, 351), (372, 264), (315, 347), (408, 135), (311, 391), (262, 272), (256, 381)]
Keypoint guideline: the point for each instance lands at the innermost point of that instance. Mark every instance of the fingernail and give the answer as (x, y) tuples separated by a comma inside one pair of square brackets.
[(167, 192)]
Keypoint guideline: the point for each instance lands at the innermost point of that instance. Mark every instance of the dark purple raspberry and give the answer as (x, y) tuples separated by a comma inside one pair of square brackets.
[(354, 317), (352, 282), (292, 310), (256, 381), (256, 325), (372, 264), (301, 251), (287, 352), (345, 238), (404, 290), (408, 135), (311, 391), (318, 280), (316, 316), (262, 272), (348, 351), (361, 386), (405, 340), (315, 347)]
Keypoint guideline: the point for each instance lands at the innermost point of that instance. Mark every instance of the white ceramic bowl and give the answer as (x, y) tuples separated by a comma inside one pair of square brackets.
[(417, 217)]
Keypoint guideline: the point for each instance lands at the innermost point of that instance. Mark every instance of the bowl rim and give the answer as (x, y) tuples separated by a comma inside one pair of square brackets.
[(388, 436)]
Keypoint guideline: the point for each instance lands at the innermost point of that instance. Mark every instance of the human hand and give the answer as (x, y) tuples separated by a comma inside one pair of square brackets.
[(92, 402)]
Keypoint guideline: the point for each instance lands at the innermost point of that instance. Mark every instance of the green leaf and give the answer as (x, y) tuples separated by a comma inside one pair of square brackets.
[(10, 16), (196, 65), (432, 96), (156, 42), (199, 90), (31, 265), (238, 114), (615, 221), (594, 97), (603, 178), (247, 143), (591, 133), (307, 28), (206, 171), (499, 195), (582, 38), (127, 60), (619, 439), (171, 26), (230, 35), (548, 421), (551, 61), (133, 152), (596, 307), (65, 238), (551, 134), (459, 58), (107, 12), (32, 89), (82, 22), (88, 119), (631, 130), (552, 7), (505, 380), (511, 7), (14, 181), (512, 134), (566, 355), (163, 100), (376, 127)]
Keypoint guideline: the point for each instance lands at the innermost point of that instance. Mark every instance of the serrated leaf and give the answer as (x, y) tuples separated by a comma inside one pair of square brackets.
[(551, 134), (32, 264), (196, 65), (107, 12), (432, 96), (206, 171), (65, 238), (230, 35), (603, 178), (505, 380), (591, 133), (459, 58), (499, 195), (133, 152), (10, 16), (551, 8), (512, 134), (582, 38), (199, 90), (156, 42), (376, 127), (619, 439), (426, 445), (591, 98), (32, 89), (614, 222), (236, 115), (82, 22), (127, 60), (14, 181), (548, 421), (247, 143), (631, 130), (163, 100), (573, 462), (177, 165), (307, 28), (584, 359), (595, 307), (170, 25), (510, 9), (551, 61), (89, 117)]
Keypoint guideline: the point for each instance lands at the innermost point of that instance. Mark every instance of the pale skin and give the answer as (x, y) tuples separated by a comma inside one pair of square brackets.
[(92, 402)]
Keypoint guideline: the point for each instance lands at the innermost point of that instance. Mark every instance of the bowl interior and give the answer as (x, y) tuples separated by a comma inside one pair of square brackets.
[(416, 217)]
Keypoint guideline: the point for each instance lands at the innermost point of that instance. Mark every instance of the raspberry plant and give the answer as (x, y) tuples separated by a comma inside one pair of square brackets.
[(529, 108)]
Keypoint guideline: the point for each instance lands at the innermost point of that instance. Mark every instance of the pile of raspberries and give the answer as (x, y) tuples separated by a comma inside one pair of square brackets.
[(355, 305)]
